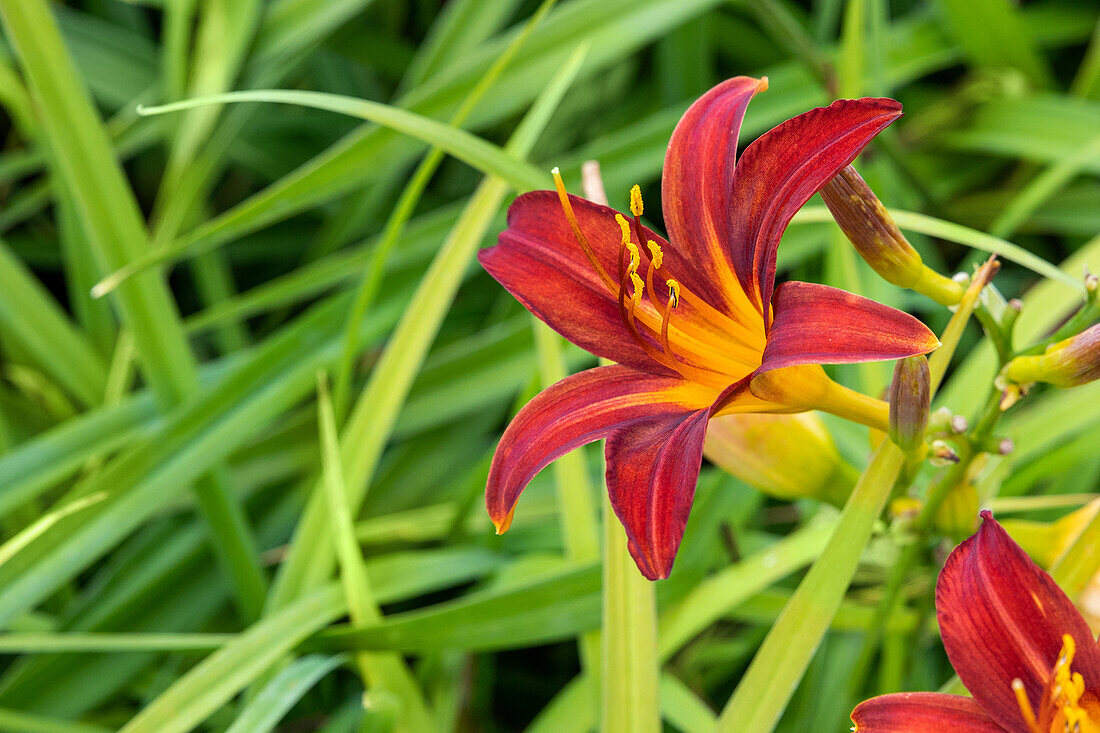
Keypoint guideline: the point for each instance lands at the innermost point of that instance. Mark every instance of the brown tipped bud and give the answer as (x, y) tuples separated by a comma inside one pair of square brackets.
[(871, 230), (879, 241), (785, 456), (941, 454), (1069, 363), (910, 396)]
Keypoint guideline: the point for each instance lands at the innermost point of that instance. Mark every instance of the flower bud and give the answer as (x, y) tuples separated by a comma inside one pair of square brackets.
[(1069, 363), (785, 456), (910, 398), (940, 454), (1046, 541), (872, 231)]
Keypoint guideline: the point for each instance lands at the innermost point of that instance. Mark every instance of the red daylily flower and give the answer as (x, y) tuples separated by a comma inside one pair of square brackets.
[(695, 323), (1015, 640)]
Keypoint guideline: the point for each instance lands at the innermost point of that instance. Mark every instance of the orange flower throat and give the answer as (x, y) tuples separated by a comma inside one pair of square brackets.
[(711, 348)]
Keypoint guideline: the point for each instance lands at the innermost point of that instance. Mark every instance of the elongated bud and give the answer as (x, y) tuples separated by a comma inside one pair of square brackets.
[(1069, 363), (872, 231), (785, 456), (910, 398), (1045, 541)]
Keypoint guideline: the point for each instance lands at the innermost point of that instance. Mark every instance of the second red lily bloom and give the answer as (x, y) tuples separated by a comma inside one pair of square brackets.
[(696, 324), (1015, 640)]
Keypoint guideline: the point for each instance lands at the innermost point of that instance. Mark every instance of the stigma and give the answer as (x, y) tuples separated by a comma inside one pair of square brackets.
[(647, 322)]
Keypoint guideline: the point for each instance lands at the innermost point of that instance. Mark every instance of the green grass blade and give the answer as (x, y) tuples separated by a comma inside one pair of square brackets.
[(951, 232), (630, 669), (770, 680), (382, 674), (109, 212), (285, 689), (309, 559), (215, 680)]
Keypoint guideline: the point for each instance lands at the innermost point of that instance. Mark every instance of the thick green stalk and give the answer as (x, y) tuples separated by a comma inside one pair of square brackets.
[(779, 664), (630, 668)]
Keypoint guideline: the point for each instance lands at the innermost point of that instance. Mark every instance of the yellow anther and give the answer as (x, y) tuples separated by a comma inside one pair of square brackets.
[(636, 200), (636, 296), (673, 292), (624, 227), (655, 254), (635, 257)]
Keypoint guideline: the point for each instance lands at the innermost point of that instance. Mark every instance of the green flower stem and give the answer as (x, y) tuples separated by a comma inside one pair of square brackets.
[(779, 664), (580, 525), (890, 603), (630, 670)]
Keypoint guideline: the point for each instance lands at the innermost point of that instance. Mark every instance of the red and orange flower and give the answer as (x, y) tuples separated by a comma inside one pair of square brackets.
[(1015, 640), (696, 324)]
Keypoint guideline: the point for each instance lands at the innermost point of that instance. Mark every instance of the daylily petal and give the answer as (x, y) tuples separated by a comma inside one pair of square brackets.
[(652, 469), (540, 263), (1002, 618), (817, 324), (783, 168), (697, 181), (922, 712), (577, 410)]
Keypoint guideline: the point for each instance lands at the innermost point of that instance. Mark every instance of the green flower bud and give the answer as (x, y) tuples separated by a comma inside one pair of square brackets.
[(1069, 363), (910, 398), (872, 231)]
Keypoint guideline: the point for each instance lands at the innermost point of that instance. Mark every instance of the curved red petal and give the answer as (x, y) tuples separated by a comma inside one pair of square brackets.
[(783, 168), (577, 410), (540, 263), (922, 712), (1002, 618), (697, 181), (652, 468), (817, 324)]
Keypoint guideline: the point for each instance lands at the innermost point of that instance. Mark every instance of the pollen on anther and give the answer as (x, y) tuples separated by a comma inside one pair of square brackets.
[(635, 257), (655, 254), (636, 296), (636, 200), (624, 227), (673, 292)]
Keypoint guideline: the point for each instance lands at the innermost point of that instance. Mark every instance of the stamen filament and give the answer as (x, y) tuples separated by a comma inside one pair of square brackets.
[(571, 217), (1025, 706), (673, 301)]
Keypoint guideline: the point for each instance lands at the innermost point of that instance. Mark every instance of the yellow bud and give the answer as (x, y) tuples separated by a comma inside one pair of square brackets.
[(673, 292), (635, 257), (1069, 363), (785, 456)]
